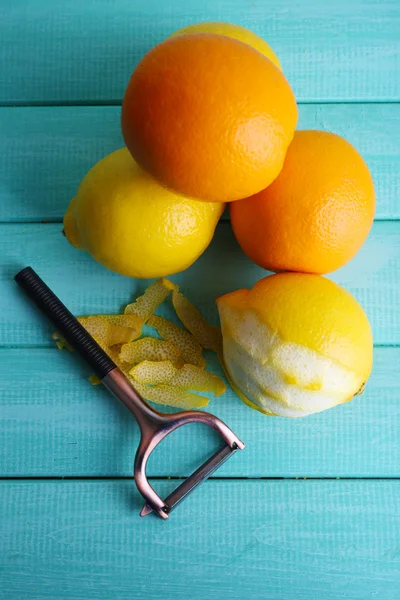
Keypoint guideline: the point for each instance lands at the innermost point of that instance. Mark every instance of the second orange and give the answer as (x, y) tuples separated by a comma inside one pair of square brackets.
[(318, 212)]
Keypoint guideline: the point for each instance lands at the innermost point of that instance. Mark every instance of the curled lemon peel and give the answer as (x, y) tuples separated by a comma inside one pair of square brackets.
[(154, 295), (61, 342), (190, 349), (170, 395), (165, 371), (208, 336), (191, 377), (188, 377), (153, 372), (104, 331), (149, 348), (131, 321)]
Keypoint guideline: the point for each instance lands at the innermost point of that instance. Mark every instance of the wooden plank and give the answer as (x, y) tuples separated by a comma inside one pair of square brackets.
[(88, 288), (236, 539), (61, 51), (53, 422), (46, 151)]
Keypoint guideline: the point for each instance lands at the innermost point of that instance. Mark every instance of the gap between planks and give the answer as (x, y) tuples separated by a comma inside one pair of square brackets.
[(175, 478), (51, 346), (113, 102), (221, 221)]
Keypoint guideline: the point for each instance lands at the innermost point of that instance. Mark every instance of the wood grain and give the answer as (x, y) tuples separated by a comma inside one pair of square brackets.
[(54, 423), (234, 538), (88, 288), (63, 51), (46, 151), (237, 539)]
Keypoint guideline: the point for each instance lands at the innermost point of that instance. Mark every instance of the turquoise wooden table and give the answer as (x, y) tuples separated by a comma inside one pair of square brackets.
[(310, 510)]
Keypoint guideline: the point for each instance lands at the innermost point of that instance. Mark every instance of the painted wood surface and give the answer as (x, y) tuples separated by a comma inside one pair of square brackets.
[(88, 288), (63, 68), (84, 52), (54, 423), (239, 539), (46, 151)]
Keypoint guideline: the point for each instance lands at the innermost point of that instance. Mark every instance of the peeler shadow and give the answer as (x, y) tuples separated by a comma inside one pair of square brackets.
[(128, 496), (130, 499)]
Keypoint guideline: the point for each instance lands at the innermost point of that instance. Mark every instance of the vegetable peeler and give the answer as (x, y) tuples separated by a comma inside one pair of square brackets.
[(154, 425)]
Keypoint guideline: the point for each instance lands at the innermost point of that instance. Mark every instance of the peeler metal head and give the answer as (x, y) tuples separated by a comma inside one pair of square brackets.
[(154, 427), (194, 480)]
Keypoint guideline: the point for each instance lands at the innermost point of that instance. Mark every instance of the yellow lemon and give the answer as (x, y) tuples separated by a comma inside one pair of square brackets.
[(132, 225), (237, 33), (295, 344)]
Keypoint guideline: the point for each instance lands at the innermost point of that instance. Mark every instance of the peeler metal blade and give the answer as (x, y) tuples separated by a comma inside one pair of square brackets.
[(195, 479)]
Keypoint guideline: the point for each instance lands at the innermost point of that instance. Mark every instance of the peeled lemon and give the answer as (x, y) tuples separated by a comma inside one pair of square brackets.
[(295, 344), (131, 224)]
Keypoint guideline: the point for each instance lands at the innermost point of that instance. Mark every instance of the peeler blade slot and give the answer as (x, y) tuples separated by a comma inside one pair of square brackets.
[(195, 479)]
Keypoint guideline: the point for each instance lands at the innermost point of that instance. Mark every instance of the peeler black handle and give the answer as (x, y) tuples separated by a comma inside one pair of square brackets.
[(65, 322)]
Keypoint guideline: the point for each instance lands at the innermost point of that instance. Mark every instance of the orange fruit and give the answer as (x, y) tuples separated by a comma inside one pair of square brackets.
[(317, 213), (233, 31), (209, 117)]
